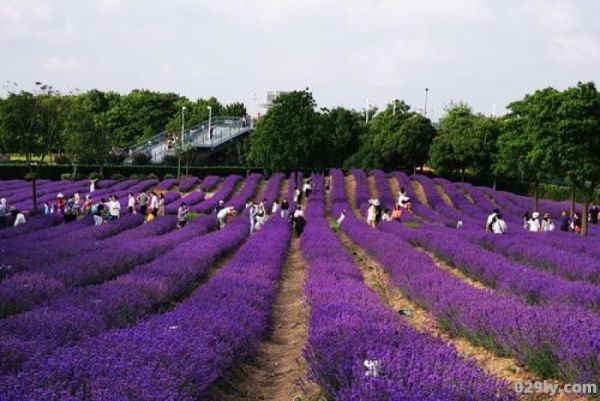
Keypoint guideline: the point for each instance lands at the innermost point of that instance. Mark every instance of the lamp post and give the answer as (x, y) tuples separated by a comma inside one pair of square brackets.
[(425, 110), (209, 108), (367, 112), (394, 108), (183, 108)]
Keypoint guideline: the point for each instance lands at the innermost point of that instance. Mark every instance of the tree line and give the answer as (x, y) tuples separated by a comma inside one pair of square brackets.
[(549, 134), (94, 127)]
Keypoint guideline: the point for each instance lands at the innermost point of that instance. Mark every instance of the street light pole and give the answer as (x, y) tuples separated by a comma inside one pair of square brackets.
[(394, 109), (367, 112), (425, 110), (183, 108), (209, 122)]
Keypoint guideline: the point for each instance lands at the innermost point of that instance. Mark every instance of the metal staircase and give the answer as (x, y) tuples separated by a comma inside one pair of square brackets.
[(206, 135)]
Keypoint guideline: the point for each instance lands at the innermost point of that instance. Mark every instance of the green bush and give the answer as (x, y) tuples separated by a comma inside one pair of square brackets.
[(135, 176), (117, 177), (94, 175), (141, 158), (168, 176), (152, 176)]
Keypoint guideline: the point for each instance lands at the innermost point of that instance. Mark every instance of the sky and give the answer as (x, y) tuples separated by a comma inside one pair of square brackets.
[(483, 52)]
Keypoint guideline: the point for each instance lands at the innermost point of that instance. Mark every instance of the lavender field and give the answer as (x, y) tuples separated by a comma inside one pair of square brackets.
[(427, 307)]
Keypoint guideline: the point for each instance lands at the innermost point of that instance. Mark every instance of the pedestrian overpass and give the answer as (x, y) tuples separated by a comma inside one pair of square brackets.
[(208, 135)]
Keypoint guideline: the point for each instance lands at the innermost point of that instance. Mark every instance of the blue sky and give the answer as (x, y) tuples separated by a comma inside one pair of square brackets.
[(483, 52)]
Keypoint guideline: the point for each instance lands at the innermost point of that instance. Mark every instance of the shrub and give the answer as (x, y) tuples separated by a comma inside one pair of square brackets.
[(152, 176), (141, 158), (94, 175), (117, 177), (168, 176)]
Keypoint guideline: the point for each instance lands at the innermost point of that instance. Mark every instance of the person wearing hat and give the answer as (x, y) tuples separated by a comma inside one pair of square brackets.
[(547, 223), (534, 222), (220, 206), (60, 203)]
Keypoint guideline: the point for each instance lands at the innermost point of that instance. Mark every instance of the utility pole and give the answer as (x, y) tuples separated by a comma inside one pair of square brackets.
[(183, 108)]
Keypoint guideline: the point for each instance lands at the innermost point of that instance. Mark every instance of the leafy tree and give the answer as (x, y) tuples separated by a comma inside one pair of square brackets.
[(287, 135), (340, 131), (236, 109), (87, 134), (464, 141), (528, 147), (578, 141)]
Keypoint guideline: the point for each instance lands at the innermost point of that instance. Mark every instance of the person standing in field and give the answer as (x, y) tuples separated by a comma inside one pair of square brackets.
[(341, 218), (576, 223), (114, 208), (93, 185), (143, 202), (594, 211), (3, 213), (372, 214), (534, 223), (499, 225), (307, 189), (18, 216), (153, 203), (547, 223), (274, 207), (87, 205), (131, 203), (182, 215), (252, 213), (565, 222), (490, 220), (285, 208), (99, 213), (397, 213), (161, 205)]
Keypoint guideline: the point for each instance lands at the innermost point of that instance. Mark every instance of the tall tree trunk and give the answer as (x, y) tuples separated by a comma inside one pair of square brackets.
[(414, 166), (536, 200), (34, 194), (572, 204), (584, 215), (494, 184)]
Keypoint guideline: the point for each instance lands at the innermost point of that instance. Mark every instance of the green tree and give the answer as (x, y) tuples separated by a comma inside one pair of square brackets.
[(464, 141), (87, 134), (340, 131), (287, 136), (527, 148), (578, 141)]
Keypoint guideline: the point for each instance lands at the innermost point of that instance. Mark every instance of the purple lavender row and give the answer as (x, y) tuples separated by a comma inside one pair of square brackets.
[(361, 194), (186, 184), (417, 207), (25, 290), (460, 201), (167, 184), (209, 182), (191, 199), (552, 342), (526, 248), (86, 312), (500, 273), (75, 238), (33, 225), (177, 355), (350, 326), (227, 188), (438, 204), (485, 204)]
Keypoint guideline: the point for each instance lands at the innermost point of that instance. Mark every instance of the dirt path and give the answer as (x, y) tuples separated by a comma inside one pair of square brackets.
[(372, 186), (350, 186), (279, 371), (447, 200), (419, 192)]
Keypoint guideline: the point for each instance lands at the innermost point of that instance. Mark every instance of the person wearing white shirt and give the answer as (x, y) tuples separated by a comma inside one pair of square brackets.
[(490, 220), (154, 203), (341, 218), (223, 214), (131, 203), (547, 224), (499, 225), (19, 217), (114, 208), (534, 223)]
